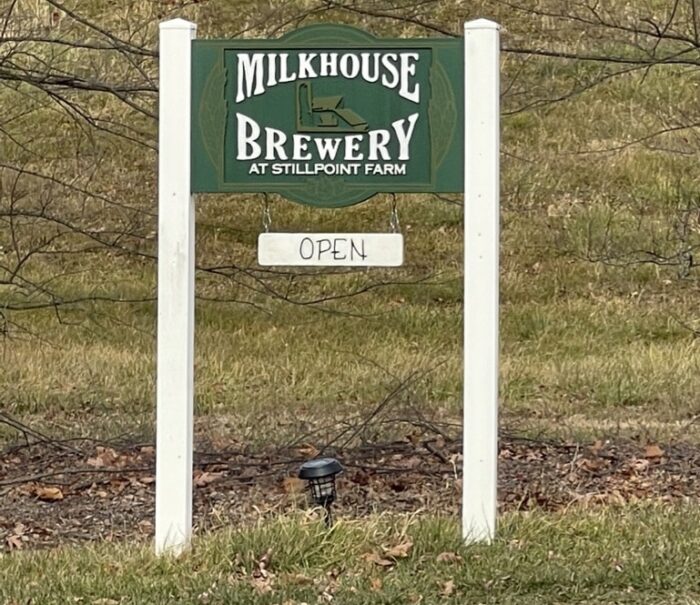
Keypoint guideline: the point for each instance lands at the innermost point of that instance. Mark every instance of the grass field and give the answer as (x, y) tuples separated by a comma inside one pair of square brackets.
[(630, 556), (598, 307)]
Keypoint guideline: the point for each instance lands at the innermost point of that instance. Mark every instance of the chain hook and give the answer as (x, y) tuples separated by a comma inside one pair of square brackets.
[(267, 217), (394, 223)]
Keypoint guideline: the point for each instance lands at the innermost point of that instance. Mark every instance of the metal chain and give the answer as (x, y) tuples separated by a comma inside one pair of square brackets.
[(394, 223), (266, 217)]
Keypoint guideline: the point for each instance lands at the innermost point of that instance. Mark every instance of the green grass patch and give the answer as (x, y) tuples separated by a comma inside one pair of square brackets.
[(629, 555)]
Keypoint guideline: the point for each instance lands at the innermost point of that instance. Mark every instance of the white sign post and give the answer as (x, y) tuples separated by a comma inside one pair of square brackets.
[(175, 364), (481, 241), (176, 232)]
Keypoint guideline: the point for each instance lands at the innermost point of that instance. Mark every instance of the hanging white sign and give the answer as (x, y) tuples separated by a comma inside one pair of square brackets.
[(330, 249)]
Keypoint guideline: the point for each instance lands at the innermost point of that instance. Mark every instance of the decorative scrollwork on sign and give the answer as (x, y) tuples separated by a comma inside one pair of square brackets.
[(212, 116), (442, 114)]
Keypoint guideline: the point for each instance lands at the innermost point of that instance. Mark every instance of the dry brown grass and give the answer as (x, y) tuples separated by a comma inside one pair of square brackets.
[(581, 340)]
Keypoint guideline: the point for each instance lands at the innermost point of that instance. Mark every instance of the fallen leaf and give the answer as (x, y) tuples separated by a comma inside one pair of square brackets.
[(105, 456), (14, 542), (96, 462), (448, 557), (248, 472), (596, 447), (264, 561), (262, 585), (400, 550), (299, 579), (376, 584), (309, 450), (261, 576), (652, 450), (640, 464), (414, 437), (293, 485), (592, 465), (448, 588), (359, 477), (48, 493), (204, 478), (373, 557)]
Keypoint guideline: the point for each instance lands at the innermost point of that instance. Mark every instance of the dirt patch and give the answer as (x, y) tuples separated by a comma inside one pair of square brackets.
[(54, 494)]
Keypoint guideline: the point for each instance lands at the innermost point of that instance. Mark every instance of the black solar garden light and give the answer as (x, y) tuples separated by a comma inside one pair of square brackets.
[(320, 474)]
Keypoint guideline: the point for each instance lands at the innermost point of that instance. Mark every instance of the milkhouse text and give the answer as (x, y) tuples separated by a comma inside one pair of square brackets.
[(353, 150)]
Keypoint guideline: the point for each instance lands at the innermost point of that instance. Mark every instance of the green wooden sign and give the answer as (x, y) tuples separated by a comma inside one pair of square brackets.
[(327, 115)]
